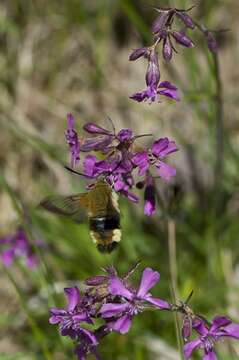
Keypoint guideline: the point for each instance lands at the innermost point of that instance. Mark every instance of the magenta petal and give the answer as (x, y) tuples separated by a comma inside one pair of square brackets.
[(162, 304), (149, 208), (140, 159), (90, 336), (123, 324), (210, 356), (232, 330), (165, 171), (200, 327), (111, 309), (73, 296), (172, 94), (89, 165), (190, 347), (71, 121), (160, 147), (218, 322), (168, 85), (116, 287), (7, 257), (148, 280)]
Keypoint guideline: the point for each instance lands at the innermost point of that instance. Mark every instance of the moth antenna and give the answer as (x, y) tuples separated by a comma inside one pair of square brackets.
[(112, 124), (77, 173)]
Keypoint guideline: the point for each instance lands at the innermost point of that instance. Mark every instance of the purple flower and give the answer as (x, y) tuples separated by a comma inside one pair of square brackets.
[(134, 301), (70, 319), (73, 141), (153, 157), (154, 88), (137, 53), (87, 345), (182, 39), (209, 335), (211, 42), (17, 245), (149, 197), (186, 19)]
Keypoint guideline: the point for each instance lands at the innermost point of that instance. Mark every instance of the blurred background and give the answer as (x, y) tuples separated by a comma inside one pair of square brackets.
[(72, 56)]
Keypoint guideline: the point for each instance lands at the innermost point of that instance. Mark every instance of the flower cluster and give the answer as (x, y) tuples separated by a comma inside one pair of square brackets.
[(112, 299), (165, 33), (115, 301), (17, 245), (117, 158), (208, 334)]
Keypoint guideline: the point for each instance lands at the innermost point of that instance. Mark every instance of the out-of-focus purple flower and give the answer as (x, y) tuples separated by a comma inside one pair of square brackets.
[(211, 42), (135, 301), (73, 140), (70, 319), (153, 74), (154, 88), (187, 20), (167, 49), (149, 197), (138, 53), (153, 157), (17, 245), (93, 128), (209, 335), (183, 39), (161, 21), (151, 93)]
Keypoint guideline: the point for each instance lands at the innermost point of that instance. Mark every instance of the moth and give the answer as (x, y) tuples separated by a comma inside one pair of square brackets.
[(99, 205)]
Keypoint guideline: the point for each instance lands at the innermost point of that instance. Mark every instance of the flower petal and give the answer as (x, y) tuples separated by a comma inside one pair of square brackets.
[(162, 304), (89, 165), (172, 94), (116, 287), (210, 356), (165, 171), (218, 322), (148, 280), (93, 128), (123, 324), (232, 330), (73, 296), (200, 327), (163, 147), (190, 347), (112, 309)]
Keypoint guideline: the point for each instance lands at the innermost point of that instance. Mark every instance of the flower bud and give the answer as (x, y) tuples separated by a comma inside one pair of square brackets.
[(211, 42), (95, 129), (182, 39), (137, 53), (153, 73), (160, 22), (167, 49), (187, 20)]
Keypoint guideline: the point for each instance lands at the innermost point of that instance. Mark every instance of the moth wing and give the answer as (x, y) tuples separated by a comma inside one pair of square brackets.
[(73, 206)]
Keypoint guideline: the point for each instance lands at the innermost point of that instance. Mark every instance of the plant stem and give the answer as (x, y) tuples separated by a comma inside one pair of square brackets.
[(172, 254), (219, 164), (39, 335)]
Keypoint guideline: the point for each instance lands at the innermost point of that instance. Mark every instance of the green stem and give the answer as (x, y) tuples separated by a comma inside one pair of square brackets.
[(39, 335), (174, 279)]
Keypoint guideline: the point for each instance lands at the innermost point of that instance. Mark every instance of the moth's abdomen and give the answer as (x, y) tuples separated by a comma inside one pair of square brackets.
[(105, 232)]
